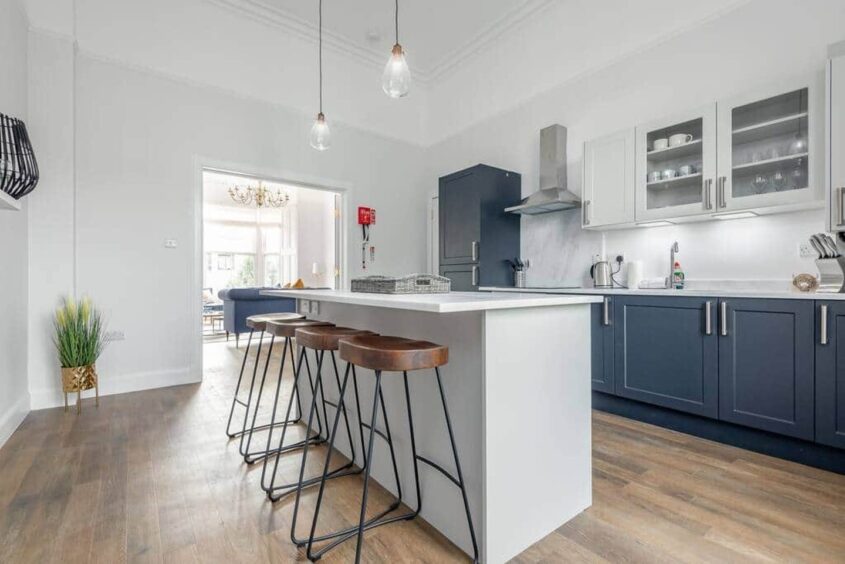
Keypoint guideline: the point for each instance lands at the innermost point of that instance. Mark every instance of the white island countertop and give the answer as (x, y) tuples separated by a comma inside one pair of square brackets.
[(439, 303)]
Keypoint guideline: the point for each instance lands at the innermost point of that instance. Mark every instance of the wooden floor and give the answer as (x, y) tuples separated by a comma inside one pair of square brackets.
[(150, 477)]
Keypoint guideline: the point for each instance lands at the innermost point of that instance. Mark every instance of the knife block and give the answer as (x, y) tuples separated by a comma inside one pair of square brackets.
[(831, 275)]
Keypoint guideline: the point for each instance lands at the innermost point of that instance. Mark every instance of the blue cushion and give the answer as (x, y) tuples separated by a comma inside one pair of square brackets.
[(240, 303)]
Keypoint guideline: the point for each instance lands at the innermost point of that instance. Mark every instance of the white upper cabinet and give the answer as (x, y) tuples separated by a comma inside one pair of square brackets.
[(608, 189), (770, 148), (676, 165), (835, 150)]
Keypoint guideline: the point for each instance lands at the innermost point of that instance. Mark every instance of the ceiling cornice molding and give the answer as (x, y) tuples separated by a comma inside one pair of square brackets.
[(509, 21), (263, 12)]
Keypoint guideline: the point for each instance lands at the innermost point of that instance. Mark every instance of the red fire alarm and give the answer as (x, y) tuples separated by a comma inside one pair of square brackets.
[(366, 216)]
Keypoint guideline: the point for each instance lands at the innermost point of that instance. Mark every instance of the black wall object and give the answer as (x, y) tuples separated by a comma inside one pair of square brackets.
[(18, 168)]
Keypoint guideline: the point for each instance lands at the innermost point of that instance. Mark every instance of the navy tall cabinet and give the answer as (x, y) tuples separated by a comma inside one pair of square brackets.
[(476, 235)]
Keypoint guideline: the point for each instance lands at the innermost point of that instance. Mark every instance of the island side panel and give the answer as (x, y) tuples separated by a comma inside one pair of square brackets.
[(537, 451), (462, 380)]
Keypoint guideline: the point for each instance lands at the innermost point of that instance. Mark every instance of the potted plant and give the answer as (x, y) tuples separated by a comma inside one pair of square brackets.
[(80, 338)]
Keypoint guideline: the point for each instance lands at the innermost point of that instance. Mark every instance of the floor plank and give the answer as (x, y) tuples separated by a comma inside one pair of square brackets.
[(150, 477)]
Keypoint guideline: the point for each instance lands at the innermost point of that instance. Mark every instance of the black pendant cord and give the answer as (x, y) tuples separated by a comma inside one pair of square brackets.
[(320, 35), (396, 17)]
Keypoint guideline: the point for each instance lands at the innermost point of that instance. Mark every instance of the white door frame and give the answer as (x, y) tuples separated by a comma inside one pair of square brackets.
[(201, 163)]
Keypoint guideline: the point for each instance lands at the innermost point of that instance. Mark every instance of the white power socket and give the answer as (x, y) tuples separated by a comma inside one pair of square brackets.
[(805, 250)]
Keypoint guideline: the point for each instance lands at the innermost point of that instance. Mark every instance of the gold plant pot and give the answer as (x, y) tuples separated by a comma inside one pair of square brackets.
[(78, 379)]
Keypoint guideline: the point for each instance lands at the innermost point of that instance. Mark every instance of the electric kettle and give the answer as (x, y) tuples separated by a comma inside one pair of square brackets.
[(600, 273)]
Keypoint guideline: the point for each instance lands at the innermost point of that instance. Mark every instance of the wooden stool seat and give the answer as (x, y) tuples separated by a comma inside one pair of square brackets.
[(326, 338), (282, 328), (259, 322), (392, 354)]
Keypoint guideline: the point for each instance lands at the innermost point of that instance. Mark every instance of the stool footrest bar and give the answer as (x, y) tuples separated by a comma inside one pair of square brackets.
[(439, 469), (377, 431)]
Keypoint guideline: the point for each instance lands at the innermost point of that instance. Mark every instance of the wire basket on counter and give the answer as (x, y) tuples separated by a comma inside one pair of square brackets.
[(411, 284)]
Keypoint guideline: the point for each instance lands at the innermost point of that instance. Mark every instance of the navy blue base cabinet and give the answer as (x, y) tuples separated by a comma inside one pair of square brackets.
[(602, 345), (830, 373), (766, 365), (666, 353)]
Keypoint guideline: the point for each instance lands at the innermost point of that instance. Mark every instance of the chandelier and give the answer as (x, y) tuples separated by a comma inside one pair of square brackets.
[(260, 197)]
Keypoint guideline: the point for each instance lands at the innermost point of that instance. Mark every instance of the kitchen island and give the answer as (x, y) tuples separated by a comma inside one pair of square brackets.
[(518, 387)]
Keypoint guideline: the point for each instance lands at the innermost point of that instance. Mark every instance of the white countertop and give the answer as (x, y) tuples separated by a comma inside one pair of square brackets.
[(698, 292), (439, 303)]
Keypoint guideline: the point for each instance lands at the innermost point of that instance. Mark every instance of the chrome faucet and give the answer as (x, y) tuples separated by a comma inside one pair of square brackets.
[(672, 250)]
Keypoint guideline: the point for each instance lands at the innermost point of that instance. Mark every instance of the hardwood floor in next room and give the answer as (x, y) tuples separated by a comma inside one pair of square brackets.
[(150, 477)]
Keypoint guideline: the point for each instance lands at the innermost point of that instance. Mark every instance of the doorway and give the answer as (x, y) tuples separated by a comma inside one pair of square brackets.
[(259, 233)]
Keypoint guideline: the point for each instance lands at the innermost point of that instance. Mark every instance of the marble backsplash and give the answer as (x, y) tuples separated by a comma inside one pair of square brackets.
[(745, 251)]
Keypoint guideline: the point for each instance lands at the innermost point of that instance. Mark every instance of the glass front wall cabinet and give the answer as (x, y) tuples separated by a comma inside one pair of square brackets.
[(676, 165), (768, 150)]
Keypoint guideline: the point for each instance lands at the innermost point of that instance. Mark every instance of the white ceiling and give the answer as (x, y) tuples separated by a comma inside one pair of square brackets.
[(436, 34)]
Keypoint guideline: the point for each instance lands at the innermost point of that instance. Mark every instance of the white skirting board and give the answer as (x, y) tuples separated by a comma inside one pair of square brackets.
[(111, 384), (12, 419)]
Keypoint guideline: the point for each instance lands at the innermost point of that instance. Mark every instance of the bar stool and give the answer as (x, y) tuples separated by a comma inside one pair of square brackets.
[(321, 340), (255, 323), (390, 354), (287, 330)]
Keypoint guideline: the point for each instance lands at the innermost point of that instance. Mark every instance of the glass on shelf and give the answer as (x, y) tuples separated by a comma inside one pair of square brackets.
[(769, 145)]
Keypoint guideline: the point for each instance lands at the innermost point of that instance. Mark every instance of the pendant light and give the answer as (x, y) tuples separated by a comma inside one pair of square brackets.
[(320, 137), (396, 80)]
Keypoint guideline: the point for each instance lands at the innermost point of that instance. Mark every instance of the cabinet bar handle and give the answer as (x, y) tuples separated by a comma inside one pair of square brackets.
[(705, 196), (841, 206), (475, 276), (475, 251), (708, 319), (823, 329), (586, 213), (723, 318), (723, 203), (606, 312)]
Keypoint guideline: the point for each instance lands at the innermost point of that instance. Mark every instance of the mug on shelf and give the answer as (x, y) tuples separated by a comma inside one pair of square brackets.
[(660, 144), (679, 139), (669, 173), (686, 170)]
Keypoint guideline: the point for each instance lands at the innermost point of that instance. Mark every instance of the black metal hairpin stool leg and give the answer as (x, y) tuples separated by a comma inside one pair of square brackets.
[(271, 488), (379, 519), (255, 323), (276, 492), (235, 401), (403, 355)]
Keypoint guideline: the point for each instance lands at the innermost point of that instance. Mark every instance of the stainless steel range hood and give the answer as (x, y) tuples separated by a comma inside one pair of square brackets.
[(552, 195)]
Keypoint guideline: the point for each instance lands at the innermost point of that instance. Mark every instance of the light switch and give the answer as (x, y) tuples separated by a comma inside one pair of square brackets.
[(170, 243)]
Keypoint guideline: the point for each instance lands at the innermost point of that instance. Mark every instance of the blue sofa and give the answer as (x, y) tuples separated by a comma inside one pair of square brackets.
[(240, 303)]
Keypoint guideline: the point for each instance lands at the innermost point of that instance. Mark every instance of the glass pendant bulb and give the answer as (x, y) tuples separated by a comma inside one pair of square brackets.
[(320, 137), (396, 80)]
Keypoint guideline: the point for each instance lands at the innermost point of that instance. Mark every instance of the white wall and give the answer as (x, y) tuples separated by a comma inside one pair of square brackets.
[(139, 140), (14, 395), (315, 237), (236, 52), (756, 43)]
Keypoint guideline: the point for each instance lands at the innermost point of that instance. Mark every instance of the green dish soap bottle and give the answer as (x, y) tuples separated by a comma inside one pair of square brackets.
[(678, 277)]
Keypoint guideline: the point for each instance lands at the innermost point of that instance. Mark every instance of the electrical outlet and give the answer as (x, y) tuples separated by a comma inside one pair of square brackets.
[(304, 307), (805, 251), (115, 335), (170, 243)]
